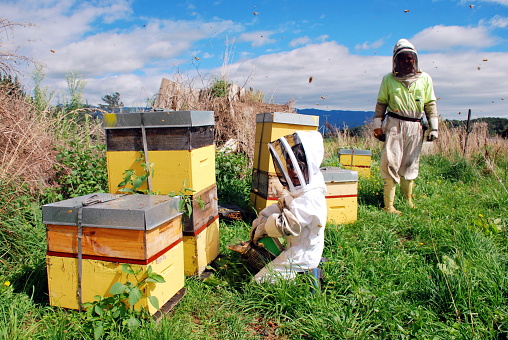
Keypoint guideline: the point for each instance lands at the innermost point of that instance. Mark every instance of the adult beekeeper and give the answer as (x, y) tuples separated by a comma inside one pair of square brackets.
[(300, 216), (405, 96)]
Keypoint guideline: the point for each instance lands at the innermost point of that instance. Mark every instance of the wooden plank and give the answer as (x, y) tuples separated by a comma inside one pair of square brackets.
[(202, 214), (124, 140), (267, 185), (160, 138), (115, 243), (169, 305)]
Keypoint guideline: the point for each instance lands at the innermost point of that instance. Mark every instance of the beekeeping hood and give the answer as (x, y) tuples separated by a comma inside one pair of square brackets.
[(297, 158), (404, 46)]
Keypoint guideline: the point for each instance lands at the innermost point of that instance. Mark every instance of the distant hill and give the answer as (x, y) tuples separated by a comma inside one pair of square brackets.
[(339, 118), (354, 119)]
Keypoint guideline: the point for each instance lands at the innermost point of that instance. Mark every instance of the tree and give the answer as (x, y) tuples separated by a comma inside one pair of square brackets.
[(112, 102), (11, 85)]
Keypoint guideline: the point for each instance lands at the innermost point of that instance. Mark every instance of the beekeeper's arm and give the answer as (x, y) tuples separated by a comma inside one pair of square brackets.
[(430, 108), (258, 230), (431, 113), (276, 220), (381, 107)]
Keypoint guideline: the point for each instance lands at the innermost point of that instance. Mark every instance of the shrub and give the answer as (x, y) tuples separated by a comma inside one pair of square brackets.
[(233, 177)]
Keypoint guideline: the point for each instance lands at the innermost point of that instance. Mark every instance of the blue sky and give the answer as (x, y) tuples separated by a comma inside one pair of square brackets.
[(272, 46)]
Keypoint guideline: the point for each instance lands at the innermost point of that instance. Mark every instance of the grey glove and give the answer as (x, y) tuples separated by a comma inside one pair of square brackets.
[(258, 230), (433, 133)]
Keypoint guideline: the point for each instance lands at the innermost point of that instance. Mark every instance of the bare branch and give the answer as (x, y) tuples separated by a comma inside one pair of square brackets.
[(9, 57)]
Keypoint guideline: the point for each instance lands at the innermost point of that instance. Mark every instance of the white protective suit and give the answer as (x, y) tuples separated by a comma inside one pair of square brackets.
[(405, 99), (302, 151)]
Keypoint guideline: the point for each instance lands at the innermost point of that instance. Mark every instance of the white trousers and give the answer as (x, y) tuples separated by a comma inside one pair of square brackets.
[(401, 151)]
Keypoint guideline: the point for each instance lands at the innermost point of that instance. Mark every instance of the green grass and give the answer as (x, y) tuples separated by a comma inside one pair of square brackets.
[(439, 271)]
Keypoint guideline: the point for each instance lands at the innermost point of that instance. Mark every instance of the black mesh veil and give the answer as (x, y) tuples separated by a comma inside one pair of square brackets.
[(290, 161)]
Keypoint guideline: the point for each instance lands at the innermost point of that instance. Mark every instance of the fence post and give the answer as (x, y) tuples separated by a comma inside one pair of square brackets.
[(467, 130)]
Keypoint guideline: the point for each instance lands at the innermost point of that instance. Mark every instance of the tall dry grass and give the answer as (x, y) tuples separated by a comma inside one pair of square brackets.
[(26, 142), (343, 139), (452, 141), (490, 152), (235, 108)]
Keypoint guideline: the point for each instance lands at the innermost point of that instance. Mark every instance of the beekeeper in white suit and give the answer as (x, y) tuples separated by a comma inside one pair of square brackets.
[(405, 96), (300, 216)]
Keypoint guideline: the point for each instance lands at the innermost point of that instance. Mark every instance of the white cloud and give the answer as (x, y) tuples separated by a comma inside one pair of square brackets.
[(440, 38), (371, 46), (351, 82), (501, 2), (299, 41), (257, 39), (132, 60), (499, 21)]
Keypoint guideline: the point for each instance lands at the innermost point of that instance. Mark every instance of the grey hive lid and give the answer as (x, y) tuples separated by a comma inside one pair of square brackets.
[(138, 212), (332, 175), (287, 118), (154, 119), (355, 152)]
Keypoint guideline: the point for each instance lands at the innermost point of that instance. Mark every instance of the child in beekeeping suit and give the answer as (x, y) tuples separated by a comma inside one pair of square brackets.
[(300, 216)]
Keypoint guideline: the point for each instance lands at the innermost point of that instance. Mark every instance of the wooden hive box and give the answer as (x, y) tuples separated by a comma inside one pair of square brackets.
[(266, 187), (273, 125), (205, 208), (136, 227), (179, 144), (357, 160), (201, 247), (99, 275), (141, 230), (341, 194)]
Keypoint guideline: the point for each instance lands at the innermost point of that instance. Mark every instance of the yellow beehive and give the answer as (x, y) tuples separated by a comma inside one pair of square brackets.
[(201, 247), (95, 234), (269, 127), (204, 209), (273, 125), (99, 275), (341, 195), (181, 148), (179, 145), (174, 170), (357, 160), (259, 203)]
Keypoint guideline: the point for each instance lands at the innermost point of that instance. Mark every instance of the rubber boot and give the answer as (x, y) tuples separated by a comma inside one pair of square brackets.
[(389, 196), (406, 187)]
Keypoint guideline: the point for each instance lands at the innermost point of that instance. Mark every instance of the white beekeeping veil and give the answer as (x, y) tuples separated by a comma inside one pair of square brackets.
[(297, 158)]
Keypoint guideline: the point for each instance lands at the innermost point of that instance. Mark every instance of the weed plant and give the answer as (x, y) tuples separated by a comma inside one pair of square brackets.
[(234, 178)]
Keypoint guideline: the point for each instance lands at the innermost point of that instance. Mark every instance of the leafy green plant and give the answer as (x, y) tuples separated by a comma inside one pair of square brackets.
[(134, 180), (489, 226), (185, 203), (80, 170), (106, 313), (220, 88), (234, 178)]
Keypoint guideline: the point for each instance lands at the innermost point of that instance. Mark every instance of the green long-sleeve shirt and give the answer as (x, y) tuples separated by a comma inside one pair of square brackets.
[(413, 102)]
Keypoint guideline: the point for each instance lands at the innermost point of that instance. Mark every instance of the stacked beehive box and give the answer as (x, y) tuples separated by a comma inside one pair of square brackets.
[(180, 147), (357, 160), (341, 194), (266, 187), (90, 237)]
